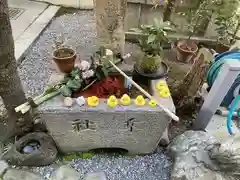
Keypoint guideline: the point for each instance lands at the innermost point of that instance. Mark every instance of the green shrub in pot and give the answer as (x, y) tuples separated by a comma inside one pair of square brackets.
[(151, 40)]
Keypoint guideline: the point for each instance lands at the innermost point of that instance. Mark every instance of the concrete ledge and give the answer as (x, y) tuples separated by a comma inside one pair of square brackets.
[(81, 4), (33, 31)]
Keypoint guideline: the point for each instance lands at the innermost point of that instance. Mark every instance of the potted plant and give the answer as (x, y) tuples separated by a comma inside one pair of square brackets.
[(195, 17), (64, 56), (151, 41), (228, 24)]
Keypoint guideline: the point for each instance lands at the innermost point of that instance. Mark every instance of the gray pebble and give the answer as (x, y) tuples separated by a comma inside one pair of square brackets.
[(28, 149)]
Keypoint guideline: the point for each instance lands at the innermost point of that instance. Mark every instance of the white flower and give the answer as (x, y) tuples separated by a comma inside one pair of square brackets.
[(87, 74), (84, 65)]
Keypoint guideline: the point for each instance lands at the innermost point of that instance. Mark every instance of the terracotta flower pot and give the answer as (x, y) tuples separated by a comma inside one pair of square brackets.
[(186, 50), (221, 48), (65, 59)]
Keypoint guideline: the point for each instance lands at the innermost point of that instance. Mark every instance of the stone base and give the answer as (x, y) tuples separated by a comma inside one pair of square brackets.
[(80, 129)]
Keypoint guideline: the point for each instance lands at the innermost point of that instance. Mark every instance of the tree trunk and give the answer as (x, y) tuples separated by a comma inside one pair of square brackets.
[(110, 16), (11, 89), (169, 9)]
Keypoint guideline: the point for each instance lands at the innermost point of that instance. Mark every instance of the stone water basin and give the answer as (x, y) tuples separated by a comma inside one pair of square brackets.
[(80, 129)]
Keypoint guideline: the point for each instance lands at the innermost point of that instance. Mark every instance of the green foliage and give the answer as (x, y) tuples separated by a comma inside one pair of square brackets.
[(195, 16), (150, 63), (50, 90), (151, 41), (70, 157), (74, 84), (153, 36), (101, 72), (71, 82), (65, 91), (227, 20), (87, 155)]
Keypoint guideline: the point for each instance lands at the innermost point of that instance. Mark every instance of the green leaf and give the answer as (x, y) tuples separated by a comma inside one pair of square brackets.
[(77, 77), (75, 71), (87, 155), (73, 84), (65, 91), (101, 72), (50, 90), (151, 38), (70, 157), (158, 23)]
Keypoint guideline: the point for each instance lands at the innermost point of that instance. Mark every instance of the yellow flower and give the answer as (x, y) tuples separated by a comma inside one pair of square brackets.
[(140, 101), (112, 101), (93, 101), (125, 100), (152, 103), (164, 92), (160, 85)]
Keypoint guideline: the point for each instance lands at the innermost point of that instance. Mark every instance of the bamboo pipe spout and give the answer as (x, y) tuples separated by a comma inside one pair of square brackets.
[(167, 111)]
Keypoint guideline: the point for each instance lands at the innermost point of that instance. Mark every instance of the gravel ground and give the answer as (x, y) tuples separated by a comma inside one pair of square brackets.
[(80, 31), (150, 167)]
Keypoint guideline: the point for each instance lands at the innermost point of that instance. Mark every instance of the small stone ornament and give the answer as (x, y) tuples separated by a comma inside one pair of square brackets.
[(68, 101), (80, 101)]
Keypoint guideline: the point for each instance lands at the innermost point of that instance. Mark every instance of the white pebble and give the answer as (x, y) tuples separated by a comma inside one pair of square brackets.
[(68, 101), (80, 101)]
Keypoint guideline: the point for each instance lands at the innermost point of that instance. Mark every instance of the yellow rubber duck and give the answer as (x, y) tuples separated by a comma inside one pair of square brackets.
[(160, 85), (164, 92), (140, 101), (152, 103), (125, 100), (93, 101), (112, 101)]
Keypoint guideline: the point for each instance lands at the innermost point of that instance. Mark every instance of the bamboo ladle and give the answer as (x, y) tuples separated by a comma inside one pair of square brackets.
[(169, 113)]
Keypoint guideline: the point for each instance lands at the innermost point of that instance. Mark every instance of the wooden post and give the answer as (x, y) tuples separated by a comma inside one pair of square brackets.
[(194, 79), (110, 16)]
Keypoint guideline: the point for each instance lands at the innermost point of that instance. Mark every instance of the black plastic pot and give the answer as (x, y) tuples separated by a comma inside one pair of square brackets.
[(144, 78)]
